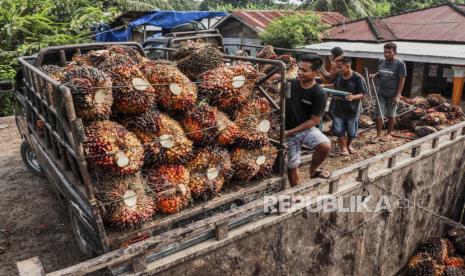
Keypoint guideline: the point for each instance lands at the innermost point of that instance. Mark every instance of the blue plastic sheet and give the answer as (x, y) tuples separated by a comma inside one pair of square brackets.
[(163, 19)]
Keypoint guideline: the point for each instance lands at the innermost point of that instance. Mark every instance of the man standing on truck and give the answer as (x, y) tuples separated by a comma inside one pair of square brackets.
[(347, 109), (391, 74), (304, 110)]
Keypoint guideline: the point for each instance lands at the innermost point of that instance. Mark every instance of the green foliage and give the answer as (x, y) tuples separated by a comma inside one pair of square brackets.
[(349, 8), (294, 30), (382, 8), (228, 5), (402, 5)]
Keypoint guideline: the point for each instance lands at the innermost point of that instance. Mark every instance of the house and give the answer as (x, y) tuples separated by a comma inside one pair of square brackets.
[(244, 26), (431, 41)]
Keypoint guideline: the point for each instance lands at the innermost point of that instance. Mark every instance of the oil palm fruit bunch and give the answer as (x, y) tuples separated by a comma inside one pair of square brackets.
[(453, 271), (228, 132), (228, 87), (174, 90), (210, 168), (435, 99), (163, 138), (455, 262), (420, 102), (417, 114), (434, 119), (132, 93), (421, 264), (91, 91), (437, 248), (422, 131), (267, 52), (455, 113), (91, 58), (170, 187), (128, 51), (125, 200), (194, 58), (365, 121), (253, 121), (253, 164), (444, 107), (54, 71), (112, 148)]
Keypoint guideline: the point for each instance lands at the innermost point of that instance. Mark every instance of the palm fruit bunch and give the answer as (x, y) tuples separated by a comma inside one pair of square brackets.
[(174, 90), (417, 114), (421, 264), (91, 91), (253, 121), (92, 58), (125, 200), (453, 271), (267, 52), (163, 138), (365, 121), (170, 187), (54, 71), (210, 168), (133, 93), (455, 113), (434, 119), (422, 131), (228, 87), (455, 262), (253, 164), (420, 102), (194, 58), (444, 107), (128, 51), (112, 148), (435, 99), (437, 248)]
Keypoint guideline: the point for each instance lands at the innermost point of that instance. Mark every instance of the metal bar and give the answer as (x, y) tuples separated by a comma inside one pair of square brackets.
[(268, 97)]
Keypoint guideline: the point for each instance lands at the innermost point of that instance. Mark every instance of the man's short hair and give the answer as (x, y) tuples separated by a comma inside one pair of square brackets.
[(315, 60), (344, 59), (337, 52), (391, 45)]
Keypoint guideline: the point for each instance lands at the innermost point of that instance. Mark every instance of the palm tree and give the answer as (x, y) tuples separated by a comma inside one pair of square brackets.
[(350, 8)]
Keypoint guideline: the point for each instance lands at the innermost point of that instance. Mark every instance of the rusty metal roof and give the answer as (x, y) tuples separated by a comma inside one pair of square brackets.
[(259, 20), (440, 23)]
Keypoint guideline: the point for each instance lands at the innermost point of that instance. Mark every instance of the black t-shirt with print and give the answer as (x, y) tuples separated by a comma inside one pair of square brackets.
[(304, 103), (355, 85)]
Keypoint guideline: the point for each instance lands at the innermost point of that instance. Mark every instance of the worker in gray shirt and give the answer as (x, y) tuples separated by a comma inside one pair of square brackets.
[(391, 74)]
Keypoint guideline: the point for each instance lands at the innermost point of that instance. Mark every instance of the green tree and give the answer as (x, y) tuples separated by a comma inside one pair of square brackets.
[(350, 8), (401, 5), (235, 4), (294, 30)]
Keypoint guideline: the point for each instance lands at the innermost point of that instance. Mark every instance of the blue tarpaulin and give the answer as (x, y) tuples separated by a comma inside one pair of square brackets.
[(163, 19)]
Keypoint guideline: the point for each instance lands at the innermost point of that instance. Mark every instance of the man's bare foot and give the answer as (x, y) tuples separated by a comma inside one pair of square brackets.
[(387, 138), (319, 173), (343, 152), (352, 150)]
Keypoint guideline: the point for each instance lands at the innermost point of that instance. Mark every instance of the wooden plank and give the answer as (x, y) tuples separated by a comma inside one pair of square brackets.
[(453, 135), (363, 173), (30, 267), (334, 186), (435, 143), (416, 151), (392, 161), (139, 263), (221, 231)]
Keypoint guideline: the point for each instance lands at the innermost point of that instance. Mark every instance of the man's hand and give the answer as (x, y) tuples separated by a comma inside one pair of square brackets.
[(396, 99), (349, 98), (287, 134)]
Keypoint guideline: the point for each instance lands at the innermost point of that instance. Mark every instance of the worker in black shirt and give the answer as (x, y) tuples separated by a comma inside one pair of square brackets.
[(304, 110), (347, 110)]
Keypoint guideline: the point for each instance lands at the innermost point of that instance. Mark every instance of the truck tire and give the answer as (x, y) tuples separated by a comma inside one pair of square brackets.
[(30, 159), (83, 245)]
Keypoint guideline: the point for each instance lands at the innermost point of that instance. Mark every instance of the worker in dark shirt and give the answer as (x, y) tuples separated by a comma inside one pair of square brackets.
[(304, 110), (347, 109)]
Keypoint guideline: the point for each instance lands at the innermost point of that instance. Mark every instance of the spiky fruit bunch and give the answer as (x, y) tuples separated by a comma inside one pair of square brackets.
[(406, 122), (194, 58), (54, 71), (115, 61), (455, 262), (163, 138), (421, 264), (422, 131), (453, 271), (170, 186), (91, 91), (128, 51), (435, 99), (455, 113), (228, 132), (175, 91), (228, 87), (417, 114), (365, 121), (436, 247), (254, 123), (210, 168), (253, 164), (434, 119), (91, 58), (133, 94), (111, 148), (420, 102), (444, 107), (126, 202), (267, 53)]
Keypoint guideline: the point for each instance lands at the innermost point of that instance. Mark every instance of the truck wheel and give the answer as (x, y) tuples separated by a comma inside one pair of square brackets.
[(30, 159), (78, 232)]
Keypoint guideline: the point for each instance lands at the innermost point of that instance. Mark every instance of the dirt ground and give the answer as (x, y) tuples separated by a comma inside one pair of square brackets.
[(31, 223)]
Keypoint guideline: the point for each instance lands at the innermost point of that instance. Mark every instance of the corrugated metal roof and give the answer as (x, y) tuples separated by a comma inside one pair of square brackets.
[(409, 51), (259, 20), (441, 23)]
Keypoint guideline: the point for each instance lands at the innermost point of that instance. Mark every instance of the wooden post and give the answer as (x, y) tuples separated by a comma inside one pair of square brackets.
[(359, 65), (459, 80), (30, 267)]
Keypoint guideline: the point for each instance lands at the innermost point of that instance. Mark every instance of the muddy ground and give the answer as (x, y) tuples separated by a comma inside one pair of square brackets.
[(31, 223)]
